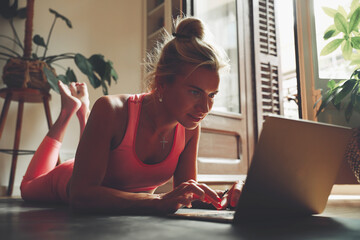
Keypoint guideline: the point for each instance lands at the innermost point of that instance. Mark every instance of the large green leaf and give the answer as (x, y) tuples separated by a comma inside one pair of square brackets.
[(354, 20), (341, 23), (86, 67), (8, 9), (98, 63), (346, 89), (63, 78), (342, 11), (331, 46), (347, 50), (327, 98), (330, 11), (355, 42), (52, 79), (354, 5), (21, 13)]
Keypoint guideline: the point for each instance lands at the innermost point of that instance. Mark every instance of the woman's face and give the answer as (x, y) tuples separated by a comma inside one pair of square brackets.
[(190, 97)]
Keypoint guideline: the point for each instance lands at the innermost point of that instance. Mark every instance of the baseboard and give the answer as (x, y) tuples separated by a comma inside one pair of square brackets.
[(16, 191)]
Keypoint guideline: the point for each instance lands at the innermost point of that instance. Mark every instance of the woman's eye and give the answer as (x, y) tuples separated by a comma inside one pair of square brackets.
[(212, 95), (195, 92)]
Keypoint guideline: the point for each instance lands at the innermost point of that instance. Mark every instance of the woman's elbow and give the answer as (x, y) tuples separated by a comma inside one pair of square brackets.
[(78, 200)]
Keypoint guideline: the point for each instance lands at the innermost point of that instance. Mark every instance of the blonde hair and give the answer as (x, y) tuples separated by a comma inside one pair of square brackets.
[(188, 45)]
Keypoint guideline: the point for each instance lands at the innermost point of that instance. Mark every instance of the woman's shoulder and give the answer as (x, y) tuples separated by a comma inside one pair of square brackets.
[(111, 107), (116, 102)]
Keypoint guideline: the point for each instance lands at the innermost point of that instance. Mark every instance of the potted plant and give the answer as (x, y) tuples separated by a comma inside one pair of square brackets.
[(34, 69), (345, 33)]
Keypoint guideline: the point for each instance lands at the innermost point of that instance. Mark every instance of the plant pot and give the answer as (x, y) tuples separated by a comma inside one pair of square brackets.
[(353, 154), (20, 73)]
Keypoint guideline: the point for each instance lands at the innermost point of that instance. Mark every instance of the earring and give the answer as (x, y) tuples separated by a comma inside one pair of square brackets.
[(160, 99)]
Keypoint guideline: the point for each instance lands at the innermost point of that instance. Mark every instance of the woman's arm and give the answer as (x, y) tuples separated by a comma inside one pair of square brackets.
[(187, 165), (187, 169), (86, 192)]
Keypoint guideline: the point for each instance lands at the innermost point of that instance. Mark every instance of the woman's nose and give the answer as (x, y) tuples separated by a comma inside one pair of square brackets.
[(203, 105)]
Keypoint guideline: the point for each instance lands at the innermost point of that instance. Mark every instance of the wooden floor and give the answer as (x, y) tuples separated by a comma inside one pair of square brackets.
[(20, 220)]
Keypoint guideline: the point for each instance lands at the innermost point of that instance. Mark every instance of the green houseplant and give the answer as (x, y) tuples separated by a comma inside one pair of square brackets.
[(20, 62), (345, 33)]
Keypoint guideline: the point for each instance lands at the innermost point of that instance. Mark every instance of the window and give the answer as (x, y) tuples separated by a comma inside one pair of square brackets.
[(220, 17), (285, 22), (332, 66)]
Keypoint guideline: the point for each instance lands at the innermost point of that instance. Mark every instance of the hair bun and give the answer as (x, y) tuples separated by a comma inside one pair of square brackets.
[(190, 27)]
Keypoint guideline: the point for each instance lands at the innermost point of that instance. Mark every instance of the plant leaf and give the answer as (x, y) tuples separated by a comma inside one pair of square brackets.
[(98, 63), (52, 80), (63, 78), (331, 46), (86, 67), (347, 50), (327, 98), (58, 15), (8, 11), (330, 11), (38, 40), (331, 84), (355, 42), (332, 27), (345, 90), (70, 75), (354, 20), (341, 23), (21, 13), (354, 5), (355, 62), (342, 11), (35, 56), (329, 34)]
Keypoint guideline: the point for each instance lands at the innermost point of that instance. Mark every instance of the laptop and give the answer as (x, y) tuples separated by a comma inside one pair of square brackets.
[(293, 169)]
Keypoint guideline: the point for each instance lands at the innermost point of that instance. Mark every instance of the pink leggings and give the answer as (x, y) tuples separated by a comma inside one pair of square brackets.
[(43, 180)]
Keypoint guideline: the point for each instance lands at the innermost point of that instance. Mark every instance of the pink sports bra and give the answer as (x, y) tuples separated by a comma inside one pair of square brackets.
[(126, 171)]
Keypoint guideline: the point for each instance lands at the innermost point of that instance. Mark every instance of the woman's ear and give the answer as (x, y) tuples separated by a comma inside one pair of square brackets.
[(160, 84)]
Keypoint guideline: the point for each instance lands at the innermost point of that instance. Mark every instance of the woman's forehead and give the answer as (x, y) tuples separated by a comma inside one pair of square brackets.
[(202, 77)]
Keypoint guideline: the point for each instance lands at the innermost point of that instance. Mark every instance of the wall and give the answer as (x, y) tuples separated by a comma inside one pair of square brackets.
[(112, 28)]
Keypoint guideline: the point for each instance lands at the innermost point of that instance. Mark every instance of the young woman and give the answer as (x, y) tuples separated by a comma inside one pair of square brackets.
[(134, 143)]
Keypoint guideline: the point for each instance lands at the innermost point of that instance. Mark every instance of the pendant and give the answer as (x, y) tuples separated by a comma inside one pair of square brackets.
[(163, 142)]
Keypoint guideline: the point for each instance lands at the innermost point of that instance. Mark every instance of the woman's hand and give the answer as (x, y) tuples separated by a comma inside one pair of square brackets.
[(184, 194), (231, 197)]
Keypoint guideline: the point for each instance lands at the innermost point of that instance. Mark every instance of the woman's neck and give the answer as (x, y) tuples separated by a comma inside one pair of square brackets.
[(156, 116)]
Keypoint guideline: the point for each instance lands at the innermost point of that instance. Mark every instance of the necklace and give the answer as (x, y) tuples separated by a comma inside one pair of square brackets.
[(163, 142), (151, 121)]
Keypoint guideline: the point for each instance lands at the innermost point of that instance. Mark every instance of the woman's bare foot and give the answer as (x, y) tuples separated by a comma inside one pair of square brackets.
[(69, 106), (79, 90), (69, 103)]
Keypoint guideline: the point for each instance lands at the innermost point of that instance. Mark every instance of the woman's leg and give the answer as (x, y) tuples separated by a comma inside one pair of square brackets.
[(46, 156), (40, 182)]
